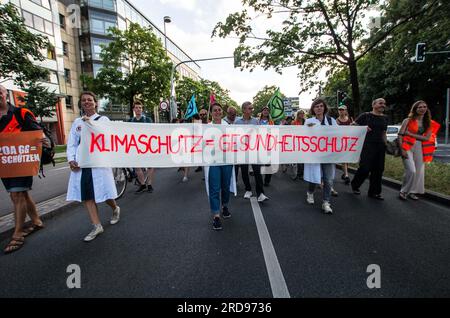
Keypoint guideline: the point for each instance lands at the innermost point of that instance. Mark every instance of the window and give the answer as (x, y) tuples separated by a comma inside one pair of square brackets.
[(48, 27), (51, 55), (69, 101), (62, 21), (97, 68), (104, 4), (28, 17), (67, 75), (96, 47), (38, 23), (65, 49), (100, 22)]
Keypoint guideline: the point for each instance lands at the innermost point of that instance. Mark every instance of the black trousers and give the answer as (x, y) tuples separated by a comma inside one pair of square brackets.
[(372, 162), (258, 178)]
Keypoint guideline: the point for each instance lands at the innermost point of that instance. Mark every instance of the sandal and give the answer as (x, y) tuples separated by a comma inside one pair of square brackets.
[(15, 244), (402, 195), (32, 228)]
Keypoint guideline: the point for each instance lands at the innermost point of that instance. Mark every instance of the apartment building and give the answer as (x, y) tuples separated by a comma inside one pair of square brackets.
[(76, 29)]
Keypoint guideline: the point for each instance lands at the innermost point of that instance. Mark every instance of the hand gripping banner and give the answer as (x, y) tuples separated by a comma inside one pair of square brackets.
[(119, 144)]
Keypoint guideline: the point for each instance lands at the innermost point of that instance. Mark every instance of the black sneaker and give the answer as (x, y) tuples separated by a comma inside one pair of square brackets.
[(347, 180), (149, 188), (217, 224), (198, 169), (225, 213), (356, 191), (141, 189)]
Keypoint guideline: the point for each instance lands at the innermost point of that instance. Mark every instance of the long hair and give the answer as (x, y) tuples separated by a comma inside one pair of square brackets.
[(269, 118), (317, 102), (426, 117)]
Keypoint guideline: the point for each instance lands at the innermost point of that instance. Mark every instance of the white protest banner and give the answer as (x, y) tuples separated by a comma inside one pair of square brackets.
[(119, 144)]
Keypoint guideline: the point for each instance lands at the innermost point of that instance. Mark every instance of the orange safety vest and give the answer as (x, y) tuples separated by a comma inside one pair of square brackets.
[(429, 146), (14, 125)]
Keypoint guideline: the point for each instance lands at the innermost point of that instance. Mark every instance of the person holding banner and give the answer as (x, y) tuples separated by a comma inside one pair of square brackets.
[(316, 173), (145, 184), (417, 138), (265, 119), (219, 180), (373, 152), (90, 185), (16, 120), (247, 119), (344, 120)]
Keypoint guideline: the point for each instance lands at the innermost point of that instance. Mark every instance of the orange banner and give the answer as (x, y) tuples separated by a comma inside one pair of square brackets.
[(20, 154)]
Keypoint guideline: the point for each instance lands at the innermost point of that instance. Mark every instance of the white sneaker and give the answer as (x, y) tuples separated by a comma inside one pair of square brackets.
[(262, 198), (248, 194), (93, 234), (115, 216), (326, 208), (185, 179), (310, 198)]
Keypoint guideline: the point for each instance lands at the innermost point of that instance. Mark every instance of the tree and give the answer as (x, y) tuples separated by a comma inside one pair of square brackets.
[(135, 65), (387, 70), (262, 98), (315, 34), (19, 48), (203, 90), (40, 100)]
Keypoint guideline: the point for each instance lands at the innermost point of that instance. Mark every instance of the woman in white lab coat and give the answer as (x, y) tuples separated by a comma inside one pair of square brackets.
[(90, 185), (314, 173)]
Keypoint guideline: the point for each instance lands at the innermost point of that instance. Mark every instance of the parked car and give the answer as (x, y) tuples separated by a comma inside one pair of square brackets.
[(392, 132)]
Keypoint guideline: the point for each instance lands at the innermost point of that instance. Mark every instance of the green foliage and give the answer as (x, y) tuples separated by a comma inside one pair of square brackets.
[(387, 70), (19, 47), (262, 98), (147, 72), (313, 35), (202, 89), (40, 100)]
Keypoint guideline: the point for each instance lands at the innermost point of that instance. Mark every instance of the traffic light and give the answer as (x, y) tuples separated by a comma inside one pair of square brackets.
[(341, 97), (420, 52)]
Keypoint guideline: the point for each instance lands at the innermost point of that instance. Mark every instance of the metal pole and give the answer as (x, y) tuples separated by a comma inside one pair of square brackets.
[(165, 37), (447, 115)]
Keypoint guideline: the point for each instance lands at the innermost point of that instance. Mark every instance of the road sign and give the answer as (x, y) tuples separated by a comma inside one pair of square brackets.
[(163, 105)]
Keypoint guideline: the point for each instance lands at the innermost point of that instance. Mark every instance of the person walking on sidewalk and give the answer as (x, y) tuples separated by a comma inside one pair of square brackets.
[(417, 138), (344, 120), (90, 185), (220, 180), (316, 173), (247, 119), (373, 152), (14, 120), (145, 184)]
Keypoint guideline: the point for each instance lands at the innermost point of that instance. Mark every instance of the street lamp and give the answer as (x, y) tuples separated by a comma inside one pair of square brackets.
[(166, 20)]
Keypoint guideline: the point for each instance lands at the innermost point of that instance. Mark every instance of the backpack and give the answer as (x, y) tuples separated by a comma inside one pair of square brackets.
[(48, 153)]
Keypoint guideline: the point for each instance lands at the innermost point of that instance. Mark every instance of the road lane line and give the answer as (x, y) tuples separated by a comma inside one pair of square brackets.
[(59, 169), (276, 278)]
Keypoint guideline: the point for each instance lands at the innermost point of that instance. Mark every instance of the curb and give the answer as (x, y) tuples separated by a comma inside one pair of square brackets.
[(392, 183), (46, 210)]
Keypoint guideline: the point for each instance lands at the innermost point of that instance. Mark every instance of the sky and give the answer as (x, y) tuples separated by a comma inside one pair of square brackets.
[(192, 24)]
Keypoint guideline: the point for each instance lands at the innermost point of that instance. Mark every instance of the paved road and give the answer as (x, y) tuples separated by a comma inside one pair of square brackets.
[(54, 184), (164, 246)]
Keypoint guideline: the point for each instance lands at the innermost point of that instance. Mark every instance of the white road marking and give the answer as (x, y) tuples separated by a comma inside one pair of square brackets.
[(60, 168), (276, 278)]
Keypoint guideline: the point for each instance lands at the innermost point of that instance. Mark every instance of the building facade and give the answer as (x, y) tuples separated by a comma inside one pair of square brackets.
[(77, 29)]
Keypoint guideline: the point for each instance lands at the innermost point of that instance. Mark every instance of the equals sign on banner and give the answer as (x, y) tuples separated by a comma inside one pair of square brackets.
[(33, 148)]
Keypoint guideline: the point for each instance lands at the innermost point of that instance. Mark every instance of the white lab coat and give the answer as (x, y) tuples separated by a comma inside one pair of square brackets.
[(233, 187), (103, 179), (312, 171)]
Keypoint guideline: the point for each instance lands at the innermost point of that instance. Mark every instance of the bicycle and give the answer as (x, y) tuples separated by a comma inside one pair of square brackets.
[(124, 175)]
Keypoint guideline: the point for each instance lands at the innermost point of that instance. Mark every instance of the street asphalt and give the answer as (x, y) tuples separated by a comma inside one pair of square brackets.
[(164, 246)]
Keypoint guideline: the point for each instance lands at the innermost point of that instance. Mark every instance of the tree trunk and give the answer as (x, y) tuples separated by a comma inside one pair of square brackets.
[(355, 87)]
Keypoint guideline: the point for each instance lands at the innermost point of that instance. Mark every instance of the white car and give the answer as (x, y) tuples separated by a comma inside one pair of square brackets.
[(392, 132)]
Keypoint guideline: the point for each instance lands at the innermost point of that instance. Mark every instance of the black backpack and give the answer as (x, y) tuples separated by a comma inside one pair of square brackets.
[(48, 153)]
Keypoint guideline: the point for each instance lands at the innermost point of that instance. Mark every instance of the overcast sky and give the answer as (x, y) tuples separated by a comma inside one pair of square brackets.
[(191, 28)]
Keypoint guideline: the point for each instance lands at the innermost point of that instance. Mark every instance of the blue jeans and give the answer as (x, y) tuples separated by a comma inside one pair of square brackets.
[(327, 178), (219, 183)]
